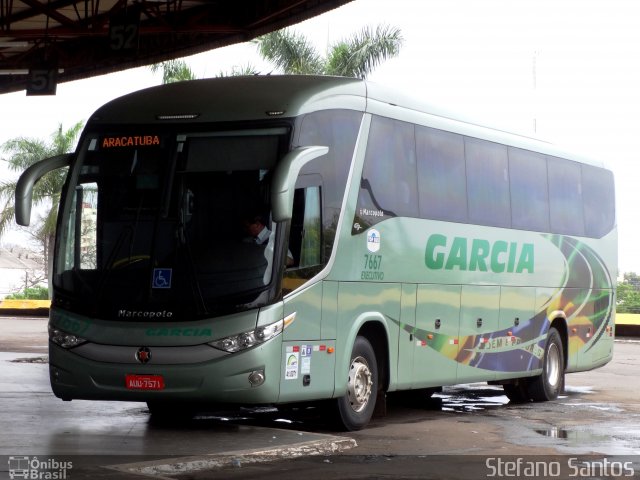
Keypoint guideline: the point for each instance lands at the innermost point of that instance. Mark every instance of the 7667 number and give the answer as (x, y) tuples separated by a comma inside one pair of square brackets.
[(372, 262)]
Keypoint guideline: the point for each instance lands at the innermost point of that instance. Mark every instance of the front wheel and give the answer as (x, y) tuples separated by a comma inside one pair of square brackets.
[(550, 383), (354, 410)]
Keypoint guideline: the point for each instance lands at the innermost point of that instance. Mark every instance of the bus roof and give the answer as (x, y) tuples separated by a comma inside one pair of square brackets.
[(257, 97), (234, 99)]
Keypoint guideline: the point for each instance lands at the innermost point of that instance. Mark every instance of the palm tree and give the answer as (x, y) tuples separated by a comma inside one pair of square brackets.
[(174, 71), (24, 152), (294, 53), (178, 71), (356, 56), (237, 71)]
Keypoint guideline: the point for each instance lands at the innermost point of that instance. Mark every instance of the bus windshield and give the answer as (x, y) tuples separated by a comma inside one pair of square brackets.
[(155, 226)]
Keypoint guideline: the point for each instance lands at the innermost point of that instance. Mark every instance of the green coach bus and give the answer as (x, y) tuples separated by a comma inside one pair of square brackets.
[(427, 250)]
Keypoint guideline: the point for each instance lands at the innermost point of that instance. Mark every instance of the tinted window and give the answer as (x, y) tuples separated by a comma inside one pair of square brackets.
[(528, 186), (565, 196), (305, 235), (469, 180), (338, 130), (441, 174), (389, 185), (599, 204), (487, 183)]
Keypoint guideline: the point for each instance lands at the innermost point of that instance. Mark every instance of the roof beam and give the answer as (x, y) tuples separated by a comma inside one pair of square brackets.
[(38, 8), (75, 36)]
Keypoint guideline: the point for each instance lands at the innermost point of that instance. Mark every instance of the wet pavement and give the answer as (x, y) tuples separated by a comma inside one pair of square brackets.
[(448, 436), (37, 424)]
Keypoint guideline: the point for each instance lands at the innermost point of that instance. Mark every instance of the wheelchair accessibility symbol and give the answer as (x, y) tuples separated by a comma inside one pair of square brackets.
[(162, 278)]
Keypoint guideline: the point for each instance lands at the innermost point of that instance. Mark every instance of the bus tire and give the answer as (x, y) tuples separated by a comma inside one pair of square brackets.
[(354, 410), (550, 383)]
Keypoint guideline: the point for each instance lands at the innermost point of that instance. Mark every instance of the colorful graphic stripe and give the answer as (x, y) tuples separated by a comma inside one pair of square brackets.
[(585, 298)]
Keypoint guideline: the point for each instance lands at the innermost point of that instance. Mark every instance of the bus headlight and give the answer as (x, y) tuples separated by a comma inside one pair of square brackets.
[(64, 339), (242, 341)]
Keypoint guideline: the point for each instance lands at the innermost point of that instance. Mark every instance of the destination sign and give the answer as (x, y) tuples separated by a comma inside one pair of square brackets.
[(130, 141)]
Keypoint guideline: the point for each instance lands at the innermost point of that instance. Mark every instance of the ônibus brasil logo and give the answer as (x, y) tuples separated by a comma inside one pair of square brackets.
[(37, 469)]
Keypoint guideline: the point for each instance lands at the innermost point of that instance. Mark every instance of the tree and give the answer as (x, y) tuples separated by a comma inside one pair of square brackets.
[(174, 71), (294, 53), (24, 152), (30, 293), (628, 294), (238, 71), (356, 56), (178, 71), (633, 279)]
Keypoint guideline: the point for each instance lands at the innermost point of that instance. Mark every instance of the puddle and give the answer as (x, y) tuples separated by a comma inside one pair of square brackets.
[(471, 398), (31, 360), (602, 407), (265, 416), (575, 435), (569, 389), (605, 440)]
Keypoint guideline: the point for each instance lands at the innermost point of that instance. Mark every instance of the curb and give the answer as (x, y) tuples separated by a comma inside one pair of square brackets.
[(25, 308), (164, 469)]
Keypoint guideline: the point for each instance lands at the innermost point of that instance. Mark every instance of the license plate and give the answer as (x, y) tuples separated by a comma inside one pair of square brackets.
[(144, 382)]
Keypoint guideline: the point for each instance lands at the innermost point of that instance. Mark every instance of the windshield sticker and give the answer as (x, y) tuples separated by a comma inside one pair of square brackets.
[(162, 277), (373, 240), (305, 366), (305, 361), (292, 360)]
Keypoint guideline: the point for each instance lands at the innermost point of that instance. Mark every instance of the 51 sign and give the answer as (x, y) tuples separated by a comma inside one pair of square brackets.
[(42, 81)]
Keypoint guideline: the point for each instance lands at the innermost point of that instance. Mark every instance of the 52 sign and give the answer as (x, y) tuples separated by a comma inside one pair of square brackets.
[(124, 30), (123, 37)]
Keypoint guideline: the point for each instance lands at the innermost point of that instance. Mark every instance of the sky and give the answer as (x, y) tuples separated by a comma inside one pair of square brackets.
[(565, 71)]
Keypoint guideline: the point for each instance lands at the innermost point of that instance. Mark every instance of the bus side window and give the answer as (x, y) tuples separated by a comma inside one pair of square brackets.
[(306, 227), (599, 201), (389, 183), (305, 237), (565, 196), (80, 248), (312, 229)]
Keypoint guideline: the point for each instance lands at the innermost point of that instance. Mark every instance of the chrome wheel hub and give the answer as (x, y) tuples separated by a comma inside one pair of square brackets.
[(553, 365), (359, 384)]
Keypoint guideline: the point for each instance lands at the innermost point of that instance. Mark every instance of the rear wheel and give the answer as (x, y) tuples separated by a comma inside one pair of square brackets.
[(550, 383), (354, 410)]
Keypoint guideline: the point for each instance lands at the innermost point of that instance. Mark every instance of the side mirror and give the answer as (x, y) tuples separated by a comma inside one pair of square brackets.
[(24, 187), (285, 176)]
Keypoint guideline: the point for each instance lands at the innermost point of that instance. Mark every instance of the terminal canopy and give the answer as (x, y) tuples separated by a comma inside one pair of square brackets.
[(45, 42)]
